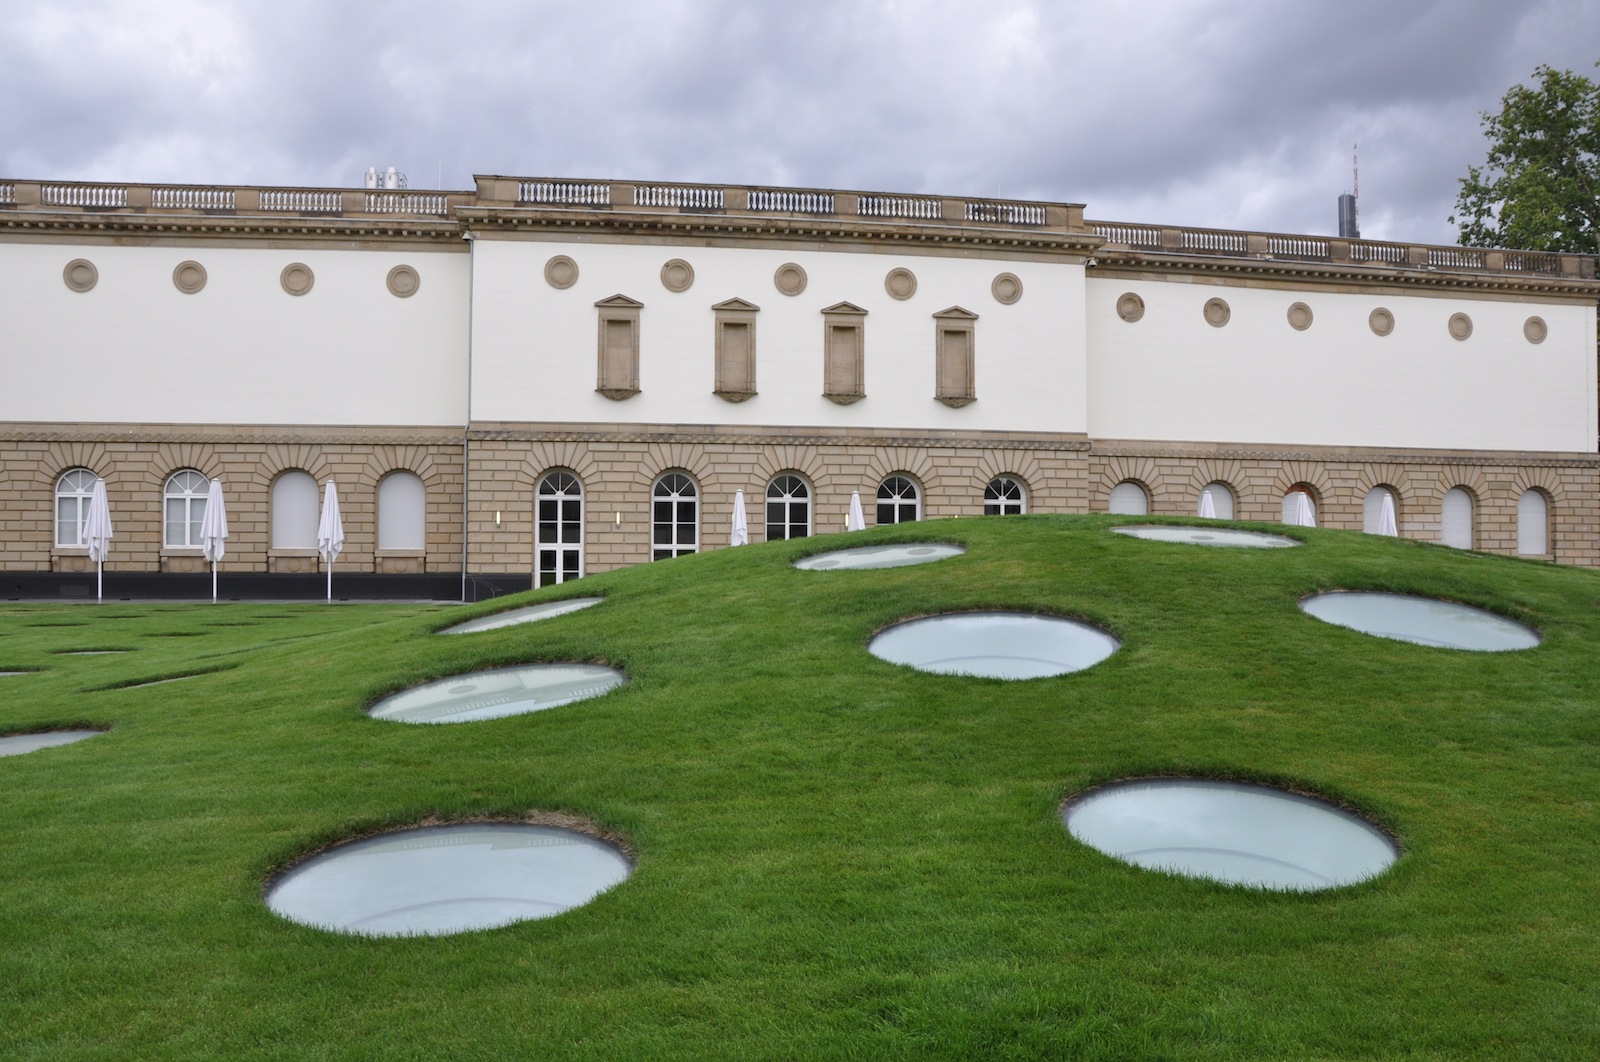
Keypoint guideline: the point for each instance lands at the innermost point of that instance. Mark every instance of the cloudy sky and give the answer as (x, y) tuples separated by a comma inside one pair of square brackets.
[(1227, 113)]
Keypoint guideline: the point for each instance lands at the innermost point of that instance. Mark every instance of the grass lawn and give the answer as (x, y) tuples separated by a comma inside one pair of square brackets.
[(836, 856)]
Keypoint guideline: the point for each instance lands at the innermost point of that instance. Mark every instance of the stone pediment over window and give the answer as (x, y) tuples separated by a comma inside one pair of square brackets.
[(956, 313), (844, 307), (618, 355), (955, 337), (737, 305), (736, 350), (620, 302)]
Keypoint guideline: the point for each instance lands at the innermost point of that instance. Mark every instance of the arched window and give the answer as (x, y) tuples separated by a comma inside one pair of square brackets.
[(1004, 496), (674, 517), (899, 502), (73, 491), (295, 511), (1221, 496), (1129, 499), (185, 507), (402, 512), (558, 544), (1372, 511), (1457, 519), (1533, 524), (788, 508), (1297, 511)]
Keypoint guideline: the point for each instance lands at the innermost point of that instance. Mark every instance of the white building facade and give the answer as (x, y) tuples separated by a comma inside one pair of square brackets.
[(540, 379)]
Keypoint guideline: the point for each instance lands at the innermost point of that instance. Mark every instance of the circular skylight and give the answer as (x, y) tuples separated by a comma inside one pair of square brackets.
[(1207, 536), (1233, 832), (1005, 645), (530, 614), (1423, 620), (18, 744), (898, 556), (434, 880), (491, 694)]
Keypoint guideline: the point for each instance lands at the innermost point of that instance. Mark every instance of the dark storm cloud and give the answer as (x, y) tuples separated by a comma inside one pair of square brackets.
[(1236, 113)]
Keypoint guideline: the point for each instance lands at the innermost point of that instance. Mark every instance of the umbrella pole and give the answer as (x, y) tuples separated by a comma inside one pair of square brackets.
[(330, 582), (99, 580), (213, 582)]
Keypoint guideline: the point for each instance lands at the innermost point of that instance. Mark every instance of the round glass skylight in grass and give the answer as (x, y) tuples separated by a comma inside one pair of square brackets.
[(1207, 536), (1423, 620), (1234, 832), (18, 744), (896, 556), (504, 691), (530, 614), (1004, 645), (435, 880)]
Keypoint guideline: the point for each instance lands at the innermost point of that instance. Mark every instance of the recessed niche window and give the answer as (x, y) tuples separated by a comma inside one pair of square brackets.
[(184, 506), (1129, 498), (1221, 496), (618, 375), (956, 332), (73, 492), (736, 349), (899, 501), (402, 512), (295, 511), (844, 353), (788, 508), (1300, 507), (1372, 506), (558, 542), (1533, 524), (1457, 518), (1004, 496), (674, 517)]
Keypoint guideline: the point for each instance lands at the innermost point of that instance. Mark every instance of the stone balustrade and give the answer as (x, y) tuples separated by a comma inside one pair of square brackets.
[(527, 193)]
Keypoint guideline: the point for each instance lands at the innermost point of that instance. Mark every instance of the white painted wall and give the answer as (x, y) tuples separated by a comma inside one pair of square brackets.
[(1172, 376), (534, 347), (241, 351)]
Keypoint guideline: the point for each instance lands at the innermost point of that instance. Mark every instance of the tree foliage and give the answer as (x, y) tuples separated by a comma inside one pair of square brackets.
[(1540, 187)]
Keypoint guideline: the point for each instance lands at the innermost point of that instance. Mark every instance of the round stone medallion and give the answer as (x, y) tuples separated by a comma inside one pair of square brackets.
[(1534, 330), (1300, 317), (561, 272), (189, 277), (1381, 321), (677, 275), (900, 283), (1217, 312), (403, 282), (80, 275), (1006, 289), (1130, 307), (297, 278), (1460, 326), (789, 279)]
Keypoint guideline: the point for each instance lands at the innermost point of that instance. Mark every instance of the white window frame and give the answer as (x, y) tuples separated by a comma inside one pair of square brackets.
[(897, 495), (73, 491), (559, 489), (792, 492), (1005, 496), (674, 536), (184, 494)]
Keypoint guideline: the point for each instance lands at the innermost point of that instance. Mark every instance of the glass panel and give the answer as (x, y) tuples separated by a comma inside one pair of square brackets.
[(549, 509), (570, 532)]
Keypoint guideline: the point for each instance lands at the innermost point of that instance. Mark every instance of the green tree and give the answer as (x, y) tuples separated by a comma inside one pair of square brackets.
[(1539, 190)]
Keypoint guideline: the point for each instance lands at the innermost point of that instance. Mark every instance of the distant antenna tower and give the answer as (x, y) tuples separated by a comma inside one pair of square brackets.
[(389, 178), (1349, 219)]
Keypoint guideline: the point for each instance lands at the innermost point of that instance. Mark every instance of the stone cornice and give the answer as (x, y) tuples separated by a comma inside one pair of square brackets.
[(781, 436), (861, 231), (323, 435), (112, 223), (1134, 265), (1344, 454)]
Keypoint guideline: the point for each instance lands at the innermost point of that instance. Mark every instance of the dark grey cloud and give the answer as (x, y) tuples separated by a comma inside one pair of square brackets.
[(1234, 113)]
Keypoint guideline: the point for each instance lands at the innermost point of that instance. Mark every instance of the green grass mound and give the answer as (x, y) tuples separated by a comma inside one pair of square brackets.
[(835, 856)]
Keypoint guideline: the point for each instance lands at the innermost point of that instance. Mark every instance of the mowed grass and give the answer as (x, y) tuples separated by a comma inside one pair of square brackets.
[(836, 857)]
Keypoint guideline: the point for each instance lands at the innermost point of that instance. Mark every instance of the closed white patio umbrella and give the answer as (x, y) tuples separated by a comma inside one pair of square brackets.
[(214, 531), (97, 534), (330, 532), (1386, 520), (1301, 514), (856, 521), (741, 525), (1208, 508)]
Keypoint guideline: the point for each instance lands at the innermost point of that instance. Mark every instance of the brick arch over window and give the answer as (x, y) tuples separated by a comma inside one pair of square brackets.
[(542, 458), (660, 458), (383, 460), (61, 457), (803, 461), (1206, 471), (1020, 465), (278, 458), (1121, 469), (1541, 479), (168, 458), (1308, 476), (912, 461)]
